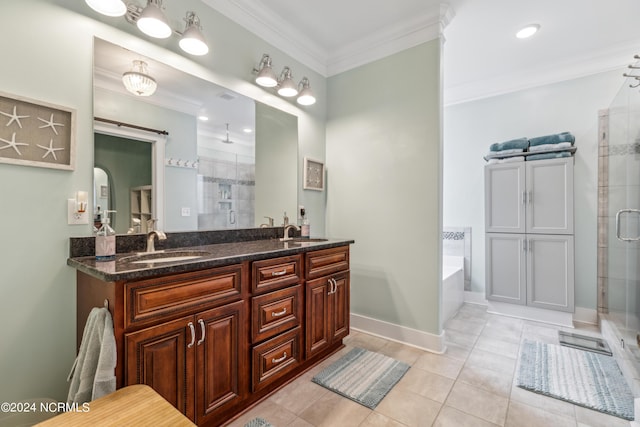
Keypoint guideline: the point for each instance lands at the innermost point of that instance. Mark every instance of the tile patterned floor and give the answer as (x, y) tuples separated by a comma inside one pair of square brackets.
[(472, 384)]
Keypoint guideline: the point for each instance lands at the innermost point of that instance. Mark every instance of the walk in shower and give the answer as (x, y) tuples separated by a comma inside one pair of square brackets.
[(619, 228)]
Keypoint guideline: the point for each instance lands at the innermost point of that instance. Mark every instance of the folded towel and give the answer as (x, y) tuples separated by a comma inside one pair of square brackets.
[(521, 143), (543, 156), (497, 154), (551, 147), (506, 160), (93, 372), (556, 138)]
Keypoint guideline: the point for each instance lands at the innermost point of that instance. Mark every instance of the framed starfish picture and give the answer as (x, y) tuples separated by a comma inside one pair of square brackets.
[(36, 133), (313, 175)]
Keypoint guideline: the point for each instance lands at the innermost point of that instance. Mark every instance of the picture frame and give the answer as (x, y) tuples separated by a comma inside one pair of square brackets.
[(36, 133), (313, 177), (104, 192)]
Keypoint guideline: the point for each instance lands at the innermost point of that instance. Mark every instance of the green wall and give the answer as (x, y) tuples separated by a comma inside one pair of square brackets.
[(384, 157)]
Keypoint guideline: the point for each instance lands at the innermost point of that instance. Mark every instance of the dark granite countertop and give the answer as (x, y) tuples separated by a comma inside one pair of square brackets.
[(213, 255)]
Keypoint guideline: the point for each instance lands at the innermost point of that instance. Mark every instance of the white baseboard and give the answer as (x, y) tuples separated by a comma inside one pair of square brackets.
[(559, 318), (475, 298), (402, 334)]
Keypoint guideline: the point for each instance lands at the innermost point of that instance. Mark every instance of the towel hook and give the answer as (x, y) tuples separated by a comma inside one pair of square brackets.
[(106, 304)]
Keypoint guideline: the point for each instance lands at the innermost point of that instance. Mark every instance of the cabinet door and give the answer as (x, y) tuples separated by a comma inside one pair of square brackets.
[(550, 196), (339, 305), (550, 275), (505, 268), (161, 358), (317, 315), (221, 359), (504, 207)]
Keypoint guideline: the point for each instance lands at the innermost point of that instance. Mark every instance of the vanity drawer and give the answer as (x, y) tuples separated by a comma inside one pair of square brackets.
[(276, 312), (274, 358), (271, 274), (161, 298), (326, 261)]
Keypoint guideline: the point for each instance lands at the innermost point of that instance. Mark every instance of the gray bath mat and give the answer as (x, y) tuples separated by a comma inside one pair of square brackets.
[(362, 376), (581, 377), (258, 422)]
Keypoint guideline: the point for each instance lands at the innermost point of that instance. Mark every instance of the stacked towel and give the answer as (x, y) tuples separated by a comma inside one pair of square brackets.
[(556, 138), (93, 372), (506, 160), (552, 155), (514, 144), (551, 147)]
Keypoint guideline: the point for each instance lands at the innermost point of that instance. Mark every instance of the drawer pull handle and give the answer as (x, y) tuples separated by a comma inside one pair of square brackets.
[(193, 335), (284, 356), (203, 330), (279, 273), (279, 313)]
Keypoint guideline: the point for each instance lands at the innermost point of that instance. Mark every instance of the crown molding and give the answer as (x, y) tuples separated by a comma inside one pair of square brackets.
[(262, 22), (609, 59)]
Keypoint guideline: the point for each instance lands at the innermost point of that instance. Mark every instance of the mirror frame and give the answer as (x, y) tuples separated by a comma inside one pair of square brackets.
[(158, 143)]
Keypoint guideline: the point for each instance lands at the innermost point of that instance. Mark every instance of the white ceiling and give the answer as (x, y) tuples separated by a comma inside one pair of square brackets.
[(482, 57)]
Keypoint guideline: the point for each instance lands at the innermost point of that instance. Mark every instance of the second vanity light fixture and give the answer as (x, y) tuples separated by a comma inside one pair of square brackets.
[(152, 21), (285, 84)]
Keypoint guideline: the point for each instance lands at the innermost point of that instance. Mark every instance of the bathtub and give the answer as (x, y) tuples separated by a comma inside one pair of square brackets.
[(452, 286)]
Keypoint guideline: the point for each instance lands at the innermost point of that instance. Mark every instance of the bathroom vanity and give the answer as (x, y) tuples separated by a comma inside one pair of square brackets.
[(216, 333)]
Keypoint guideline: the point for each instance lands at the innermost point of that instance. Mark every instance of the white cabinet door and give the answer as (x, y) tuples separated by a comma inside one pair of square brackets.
[(504, 202), (505, 268), (550, 196), (550, 276)]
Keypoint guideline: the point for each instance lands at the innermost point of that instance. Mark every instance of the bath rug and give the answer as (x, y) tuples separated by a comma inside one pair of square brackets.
[(362, 376), (583, 378), (258, 422)]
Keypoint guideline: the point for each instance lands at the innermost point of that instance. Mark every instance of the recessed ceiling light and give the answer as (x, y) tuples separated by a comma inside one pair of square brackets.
[(247, 130), (203, 118), (528, 31)]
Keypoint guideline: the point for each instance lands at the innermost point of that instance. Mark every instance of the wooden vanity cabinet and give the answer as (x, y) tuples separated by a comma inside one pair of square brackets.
[(214, 342), (327, 300)]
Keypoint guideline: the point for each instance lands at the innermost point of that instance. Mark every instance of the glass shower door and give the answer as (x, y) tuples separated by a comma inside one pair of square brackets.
[(623, 200)]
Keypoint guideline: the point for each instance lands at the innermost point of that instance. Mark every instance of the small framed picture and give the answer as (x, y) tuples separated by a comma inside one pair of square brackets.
[(104, 191), (313, 175), (36, 133)]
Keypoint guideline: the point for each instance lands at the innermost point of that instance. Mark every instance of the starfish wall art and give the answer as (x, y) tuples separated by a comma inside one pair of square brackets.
[(35, 133)]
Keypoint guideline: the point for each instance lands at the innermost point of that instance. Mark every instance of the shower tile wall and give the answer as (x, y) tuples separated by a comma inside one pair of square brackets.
[(226, 194)]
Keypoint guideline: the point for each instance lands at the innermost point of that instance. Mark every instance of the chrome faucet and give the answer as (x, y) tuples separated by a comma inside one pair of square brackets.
[(151, 238), (286, 237)]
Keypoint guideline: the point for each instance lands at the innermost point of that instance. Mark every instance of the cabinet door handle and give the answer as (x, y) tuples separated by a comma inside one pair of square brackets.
[(524, 197), (530, 197), (330, 281), (284, 356), (279, 273), (193, 335), (203, 330), (335, 286), (279, 313)]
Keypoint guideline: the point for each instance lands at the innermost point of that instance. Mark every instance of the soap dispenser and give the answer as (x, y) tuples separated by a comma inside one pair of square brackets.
[(106, 240)]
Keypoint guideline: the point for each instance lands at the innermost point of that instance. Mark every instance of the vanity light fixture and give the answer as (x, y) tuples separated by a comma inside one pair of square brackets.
[(192, 40), (138, 81), (285, 85), (152, 21), (108, 7), (266, 77), (305, 96), (527, 31)]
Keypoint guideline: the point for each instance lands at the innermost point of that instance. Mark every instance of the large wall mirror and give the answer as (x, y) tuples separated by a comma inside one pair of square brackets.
[(226, 161)]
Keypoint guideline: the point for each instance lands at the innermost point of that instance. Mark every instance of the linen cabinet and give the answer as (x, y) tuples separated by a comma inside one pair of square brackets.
[(529, 243)]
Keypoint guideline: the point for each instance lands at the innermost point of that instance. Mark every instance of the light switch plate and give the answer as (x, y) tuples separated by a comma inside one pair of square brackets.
[(73, 217), (186, 211)]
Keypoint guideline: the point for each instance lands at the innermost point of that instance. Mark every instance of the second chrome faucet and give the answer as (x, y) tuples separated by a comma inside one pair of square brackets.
[(286, 236)]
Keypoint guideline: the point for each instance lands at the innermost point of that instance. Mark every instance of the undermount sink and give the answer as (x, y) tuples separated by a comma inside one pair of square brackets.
[(163, 257)]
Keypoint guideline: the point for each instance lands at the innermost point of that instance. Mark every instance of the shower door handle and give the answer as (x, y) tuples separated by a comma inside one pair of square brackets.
[(618, 215)]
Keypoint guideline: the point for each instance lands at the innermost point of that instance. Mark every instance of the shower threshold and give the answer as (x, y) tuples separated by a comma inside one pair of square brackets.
[(584, 342)]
